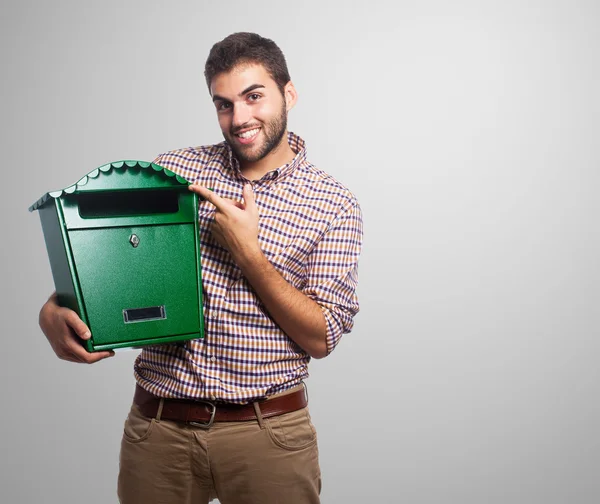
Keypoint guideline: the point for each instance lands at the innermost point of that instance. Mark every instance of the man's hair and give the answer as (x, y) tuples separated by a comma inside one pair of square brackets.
[(246, 48)]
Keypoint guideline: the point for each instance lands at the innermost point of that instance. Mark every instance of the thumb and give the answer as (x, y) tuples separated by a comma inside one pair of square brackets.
[(75, 323), (249, 201)]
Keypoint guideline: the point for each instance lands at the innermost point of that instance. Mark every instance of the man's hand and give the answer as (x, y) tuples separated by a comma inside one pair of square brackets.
[(235, 225), (64, 329)]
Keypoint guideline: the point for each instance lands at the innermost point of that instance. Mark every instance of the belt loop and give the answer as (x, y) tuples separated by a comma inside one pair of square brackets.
[(258, 414), (160, 408), (305, 391)]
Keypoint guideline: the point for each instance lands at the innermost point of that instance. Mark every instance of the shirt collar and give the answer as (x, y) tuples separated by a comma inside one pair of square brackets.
[(298, 146)]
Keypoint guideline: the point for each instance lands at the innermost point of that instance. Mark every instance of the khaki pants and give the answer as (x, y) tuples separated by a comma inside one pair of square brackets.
[(266, 461)]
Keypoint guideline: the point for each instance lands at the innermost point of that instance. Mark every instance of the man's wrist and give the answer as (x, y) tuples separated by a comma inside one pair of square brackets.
[(250, 259)]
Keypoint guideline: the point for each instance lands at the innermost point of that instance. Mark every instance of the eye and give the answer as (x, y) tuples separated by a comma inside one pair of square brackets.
[(254, 97), (223, 105)]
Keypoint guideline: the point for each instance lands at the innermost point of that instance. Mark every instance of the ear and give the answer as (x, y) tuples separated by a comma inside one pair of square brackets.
[(291, 96)]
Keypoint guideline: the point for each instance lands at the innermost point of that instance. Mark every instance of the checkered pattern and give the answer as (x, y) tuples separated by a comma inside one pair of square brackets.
[(310, 229)]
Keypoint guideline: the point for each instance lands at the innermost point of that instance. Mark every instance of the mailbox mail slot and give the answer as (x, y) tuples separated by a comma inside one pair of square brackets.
[(124, 252)]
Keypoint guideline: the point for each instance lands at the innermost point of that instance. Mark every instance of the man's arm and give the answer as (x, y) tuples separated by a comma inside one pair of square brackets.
[(298, 316), (236, 228)]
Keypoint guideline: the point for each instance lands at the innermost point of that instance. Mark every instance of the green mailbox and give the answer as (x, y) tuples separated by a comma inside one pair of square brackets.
[(124, 251)]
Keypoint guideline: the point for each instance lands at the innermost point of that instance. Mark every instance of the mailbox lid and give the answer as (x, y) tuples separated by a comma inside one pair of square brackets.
[(124, 286), (117, 176)]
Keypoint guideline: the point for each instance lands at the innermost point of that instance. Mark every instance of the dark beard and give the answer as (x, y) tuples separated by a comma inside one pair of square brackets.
[(273, 131)]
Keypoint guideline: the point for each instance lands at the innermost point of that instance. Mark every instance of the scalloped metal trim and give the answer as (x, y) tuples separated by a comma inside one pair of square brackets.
[(118, 165)]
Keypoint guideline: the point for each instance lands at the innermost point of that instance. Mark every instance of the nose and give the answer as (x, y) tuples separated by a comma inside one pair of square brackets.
[(241, 114)]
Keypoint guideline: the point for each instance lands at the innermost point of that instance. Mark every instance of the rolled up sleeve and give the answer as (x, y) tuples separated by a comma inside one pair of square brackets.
[(332, 273)]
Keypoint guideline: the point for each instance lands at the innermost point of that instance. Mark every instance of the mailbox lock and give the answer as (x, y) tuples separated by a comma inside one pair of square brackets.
[(134, 240)]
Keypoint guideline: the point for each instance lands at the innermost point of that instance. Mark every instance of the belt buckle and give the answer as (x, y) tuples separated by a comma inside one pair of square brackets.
[(206, 425)]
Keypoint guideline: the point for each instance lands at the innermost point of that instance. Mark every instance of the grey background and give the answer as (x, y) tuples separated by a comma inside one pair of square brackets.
[(468, 131)]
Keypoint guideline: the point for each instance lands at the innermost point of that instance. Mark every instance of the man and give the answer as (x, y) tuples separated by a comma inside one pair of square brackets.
[(226, 415)]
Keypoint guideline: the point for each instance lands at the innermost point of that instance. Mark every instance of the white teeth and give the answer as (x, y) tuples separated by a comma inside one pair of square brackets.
[(248, 134)]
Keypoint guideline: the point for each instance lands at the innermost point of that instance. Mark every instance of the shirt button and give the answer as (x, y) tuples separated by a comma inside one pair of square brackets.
[(213, 397), (213, 359)]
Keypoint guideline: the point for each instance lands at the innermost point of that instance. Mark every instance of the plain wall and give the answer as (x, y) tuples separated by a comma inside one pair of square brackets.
[(468, 131)]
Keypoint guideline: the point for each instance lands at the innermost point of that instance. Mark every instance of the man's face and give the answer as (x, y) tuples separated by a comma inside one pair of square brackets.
[(251, 109)]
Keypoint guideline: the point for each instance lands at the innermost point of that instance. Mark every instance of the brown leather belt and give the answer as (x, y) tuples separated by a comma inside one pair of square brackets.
[(204, 413)]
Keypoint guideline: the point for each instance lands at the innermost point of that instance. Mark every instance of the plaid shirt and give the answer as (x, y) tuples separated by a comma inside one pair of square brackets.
[(310, 229)]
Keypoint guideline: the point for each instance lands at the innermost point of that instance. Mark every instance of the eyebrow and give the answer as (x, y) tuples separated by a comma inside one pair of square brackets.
[(245, 91)]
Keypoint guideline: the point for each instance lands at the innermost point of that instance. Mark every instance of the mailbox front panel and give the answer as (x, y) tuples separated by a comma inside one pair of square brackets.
[(138, 282)]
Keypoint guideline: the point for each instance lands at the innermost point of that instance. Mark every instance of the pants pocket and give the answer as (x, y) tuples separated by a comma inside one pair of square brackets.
[(137, 427), (292, 431)]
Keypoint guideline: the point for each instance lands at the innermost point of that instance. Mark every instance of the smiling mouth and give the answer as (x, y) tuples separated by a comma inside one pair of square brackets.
[(247, 136)]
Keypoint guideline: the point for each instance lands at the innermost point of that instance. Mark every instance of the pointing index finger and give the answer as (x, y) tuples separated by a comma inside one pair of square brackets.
[(207, 194)]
